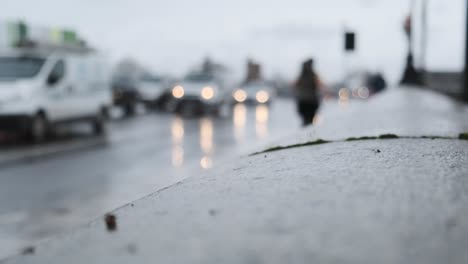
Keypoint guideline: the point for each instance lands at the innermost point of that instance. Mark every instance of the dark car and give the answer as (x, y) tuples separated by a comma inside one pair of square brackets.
[(125, 93), (154, 91)]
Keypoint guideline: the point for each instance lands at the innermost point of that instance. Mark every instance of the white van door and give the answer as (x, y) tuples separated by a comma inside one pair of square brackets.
[(95, 92), (59, 92), (87, 102)]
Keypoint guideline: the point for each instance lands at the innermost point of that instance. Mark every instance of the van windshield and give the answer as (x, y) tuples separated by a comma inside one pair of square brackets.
[(20, 68)]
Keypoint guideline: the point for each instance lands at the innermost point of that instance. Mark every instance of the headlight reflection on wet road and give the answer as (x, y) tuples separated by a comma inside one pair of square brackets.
[(261, 121), (259, 114), (240, 121), (206, 142), (177, 142)]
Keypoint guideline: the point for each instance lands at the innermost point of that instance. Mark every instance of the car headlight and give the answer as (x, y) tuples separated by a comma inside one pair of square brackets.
[(262, 96), (178, 92), (240, 95), (343, 94), (207, 93), (363, 92)]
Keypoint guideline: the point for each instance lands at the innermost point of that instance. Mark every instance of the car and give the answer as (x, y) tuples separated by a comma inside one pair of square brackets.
[(254, 92), (45, 85), (197, 93), (125, 93), (154, 91), (359, 85)]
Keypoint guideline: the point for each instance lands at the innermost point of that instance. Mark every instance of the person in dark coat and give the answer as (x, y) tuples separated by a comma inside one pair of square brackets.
[(307, 92)]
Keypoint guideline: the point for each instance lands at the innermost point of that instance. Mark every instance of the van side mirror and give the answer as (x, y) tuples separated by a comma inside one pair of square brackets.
[(56, 74), (52, 79)]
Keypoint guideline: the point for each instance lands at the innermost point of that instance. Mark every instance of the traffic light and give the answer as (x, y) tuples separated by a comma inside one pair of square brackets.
[(350, 41)]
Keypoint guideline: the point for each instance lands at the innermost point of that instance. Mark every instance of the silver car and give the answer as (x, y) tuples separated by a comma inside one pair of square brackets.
[(256, 92), (197, 93)]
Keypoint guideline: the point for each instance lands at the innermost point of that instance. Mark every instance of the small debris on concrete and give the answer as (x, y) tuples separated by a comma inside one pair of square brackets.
[(266, 156), (377, 151), (360, 138), (451, 223), (213, 212), (132, 249), (240, 168), (161, 213), (28, 251), (61, 211), (111, 222)]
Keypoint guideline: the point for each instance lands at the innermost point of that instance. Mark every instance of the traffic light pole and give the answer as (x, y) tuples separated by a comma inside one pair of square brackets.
[(411, 76), (465, 72), (424, 33)]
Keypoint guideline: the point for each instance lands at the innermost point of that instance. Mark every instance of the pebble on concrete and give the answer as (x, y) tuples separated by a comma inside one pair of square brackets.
[(111, 222), (28, 251), (213, 212), (132, 249)]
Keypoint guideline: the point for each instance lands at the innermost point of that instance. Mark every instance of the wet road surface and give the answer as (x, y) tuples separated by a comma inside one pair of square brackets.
[(74, 181)]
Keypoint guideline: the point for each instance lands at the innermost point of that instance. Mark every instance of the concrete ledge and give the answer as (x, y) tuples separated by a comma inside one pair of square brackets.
[(391, 201)]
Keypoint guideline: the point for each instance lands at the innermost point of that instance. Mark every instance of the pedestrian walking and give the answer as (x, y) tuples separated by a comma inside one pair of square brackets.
[(307, 92)]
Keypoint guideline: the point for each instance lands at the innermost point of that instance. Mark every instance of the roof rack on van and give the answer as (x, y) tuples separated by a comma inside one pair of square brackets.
[(25, 38), (79, 47)]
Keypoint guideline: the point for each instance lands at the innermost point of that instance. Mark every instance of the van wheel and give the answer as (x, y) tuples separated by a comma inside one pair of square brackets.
[(39, 129), (99, 126)]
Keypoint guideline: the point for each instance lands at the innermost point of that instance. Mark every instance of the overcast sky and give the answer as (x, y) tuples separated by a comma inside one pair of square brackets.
[(173, 36)]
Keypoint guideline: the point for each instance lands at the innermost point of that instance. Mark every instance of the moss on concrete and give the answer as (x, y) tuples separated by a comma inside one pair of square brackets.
[(361, 138), (463, 136), (388, 136), (434, 137), (278, 148), (384, 136)]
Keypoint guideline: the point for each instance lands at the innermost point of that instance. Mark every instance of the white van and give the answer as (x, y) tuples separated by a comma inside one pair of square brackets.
[(41, 87)]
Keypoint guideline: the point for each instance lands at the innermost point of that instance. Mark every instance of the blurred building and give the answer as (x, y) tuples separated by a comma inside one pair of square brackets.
[(254, 71), (211, 67)]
